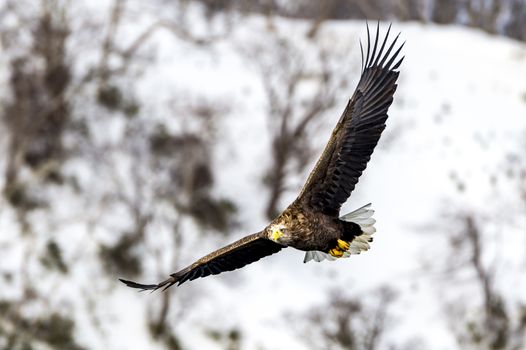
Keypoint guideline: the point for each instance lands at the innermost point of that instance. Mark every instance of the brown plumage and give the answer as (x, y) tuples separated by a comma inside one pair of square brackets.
[(312, 223)]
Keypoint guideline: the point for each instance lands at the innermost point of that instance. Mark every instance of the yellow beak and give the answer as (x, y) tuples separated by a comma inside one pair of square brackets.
[(276, 234)]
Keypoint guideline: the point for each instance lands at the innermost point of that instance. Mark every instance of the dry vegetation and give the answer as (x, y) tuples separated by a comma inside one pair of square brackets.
[(170, 175)]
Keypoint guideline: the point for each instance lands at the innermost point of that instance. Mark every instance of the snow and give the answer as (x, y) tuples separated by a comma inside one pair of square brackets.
[(459, 109)]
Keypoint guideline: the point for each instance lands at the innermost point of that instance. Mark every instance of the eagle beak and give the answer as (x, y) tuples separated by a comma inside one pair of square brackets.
[(276, 234)]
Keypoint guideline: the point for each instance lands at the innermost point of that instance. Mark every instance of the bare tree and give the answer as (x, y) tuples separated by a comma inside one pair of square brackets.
[(445, 11), (292, 114), (346, 322), (516, 26), (38, 113), (484, 14), (407, 10), (152, 175), (494, 16), (497, 323)]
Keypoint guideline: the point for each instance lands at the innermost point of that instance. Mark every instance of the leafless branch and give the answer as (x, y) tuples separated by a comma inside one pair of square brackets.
[(349, 323), (499, 328), (291, 114)]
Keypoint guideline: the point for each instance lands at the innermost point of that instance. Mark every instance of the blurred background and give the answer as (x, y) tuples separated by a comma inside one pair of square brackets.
[(137, 136)]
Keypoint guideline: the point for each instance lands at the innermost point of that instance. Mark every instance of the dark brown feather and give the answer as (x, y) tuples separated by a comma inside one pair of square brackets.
[(355, 136), (233, 256)]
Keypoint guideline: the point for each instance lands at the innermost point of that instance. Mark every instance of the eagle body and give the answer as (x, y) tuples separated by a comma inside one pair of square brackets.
[(308, 230), (312, 223)]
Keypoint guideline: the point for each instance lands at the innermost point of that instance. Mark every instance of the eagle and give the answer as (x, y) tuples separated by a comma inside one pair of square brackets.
[(312, 223)]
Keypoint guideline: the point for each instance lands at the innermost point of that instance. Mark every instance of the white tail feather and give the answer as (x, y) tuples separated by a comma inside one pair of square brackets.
[(317, 256), (361, 216)]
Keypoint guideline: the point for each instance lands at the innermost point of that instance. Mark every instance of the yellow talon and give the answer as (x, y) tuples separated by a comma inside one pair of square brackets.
[(343, 245), (337, 253)]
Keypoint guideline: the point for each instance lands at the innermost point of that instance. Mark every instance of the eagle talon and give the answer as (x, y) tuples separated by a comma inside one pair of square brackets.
[(343, 245), (336, 252)]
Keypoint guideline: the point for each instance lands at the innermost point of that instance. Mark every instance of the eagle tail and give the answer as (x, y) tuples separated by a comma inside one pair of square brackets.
[(364, 218), (361, 216), (317, 256)]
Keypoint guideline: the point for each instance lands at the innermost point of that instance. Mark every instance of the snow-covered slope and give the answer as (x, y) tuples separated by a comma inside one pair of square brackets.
[(458, 112)]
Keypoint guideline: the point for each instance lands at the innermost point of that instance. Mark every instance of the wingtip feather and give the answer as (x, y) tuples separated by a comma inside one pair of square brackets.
[(375, 57), (390, 62), (361, 50), (136, 285), (153, 287), (375, 44)]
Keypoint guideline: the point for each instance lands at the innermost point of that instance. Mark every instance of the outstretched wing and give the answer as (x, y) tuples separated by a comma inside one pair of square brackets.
[(353, 139), (234, 256)]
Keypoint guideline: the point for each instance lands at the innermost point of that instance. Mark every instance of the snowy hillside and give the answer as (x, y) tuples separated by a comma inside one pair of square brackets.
[(458, 115)]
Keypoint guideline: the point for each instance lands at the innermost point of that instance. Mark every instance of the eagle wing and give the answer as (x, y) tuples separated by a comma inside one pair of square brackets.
[(233, 256), (353, 139)]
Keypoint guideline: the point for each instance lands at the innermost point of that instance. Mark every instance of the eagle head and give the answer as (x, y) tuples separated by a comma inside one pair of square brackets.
[(277, 233)]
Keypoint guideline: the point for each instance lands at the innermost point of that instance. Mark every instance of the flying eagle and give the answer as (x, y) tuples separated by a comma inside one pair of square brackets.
[(312, 222)]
